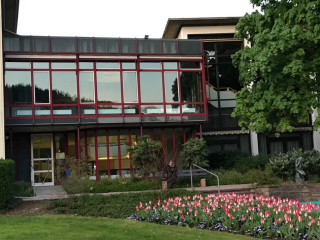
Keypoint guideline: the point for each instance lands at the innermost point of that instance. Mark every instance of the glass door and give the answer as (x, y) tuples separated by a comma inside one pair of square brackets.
[(41, 160)]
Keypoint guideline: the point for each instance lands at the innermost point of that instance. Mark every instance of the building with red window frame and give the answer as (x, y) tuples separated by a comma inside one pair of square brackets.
[(222, 132), (92, 98)]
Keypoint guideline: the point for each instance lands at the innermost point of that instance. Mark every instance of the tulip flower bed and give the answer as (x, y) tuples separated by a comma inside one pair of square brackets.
[(245, 214)]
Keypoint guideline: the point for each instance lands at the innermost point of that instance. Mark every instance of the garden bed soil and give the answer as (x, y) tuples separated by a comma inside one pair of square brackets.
[(28, 208)]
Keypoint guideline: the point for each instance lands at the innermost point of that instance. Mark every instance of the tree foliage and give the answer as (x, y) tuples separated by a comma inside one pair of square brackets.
[(279, 71), (147, 155), (194, 152)]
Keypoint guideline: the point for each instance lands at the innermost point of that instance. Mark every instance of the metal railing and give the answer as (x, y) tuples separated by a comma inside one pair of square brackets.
[(205, 171)]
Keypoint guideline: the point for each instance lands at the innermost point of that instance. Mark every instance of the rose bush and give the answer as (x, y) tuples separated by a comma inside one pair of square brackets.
[(256, 216)]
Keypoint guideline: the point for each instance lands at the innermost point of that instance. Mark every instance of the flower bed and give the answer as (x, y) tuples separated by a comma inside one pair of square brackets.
[(256, 216)]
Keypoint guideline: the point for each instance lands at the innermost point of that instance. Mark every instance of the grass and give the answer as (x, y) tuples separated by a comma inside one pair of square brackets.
[(73, 227)]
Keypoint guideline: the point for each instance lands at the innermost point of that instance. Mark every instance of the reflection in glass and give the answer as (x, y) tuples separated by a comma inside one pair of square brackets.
[(191, 87), (151, 87), (108, 65), (18, 87), (170, 65), (110, 110), (171, 86), (64, 87), (86, 87), (40, 65), (130, 90), (131, 109), (102, 153), (128, 65), (152, 109), (108, 87), (125, 156), (91, 153), (41, 87), (18, 65), (85, 65), (63, 65), (150, 65), (41, 145)]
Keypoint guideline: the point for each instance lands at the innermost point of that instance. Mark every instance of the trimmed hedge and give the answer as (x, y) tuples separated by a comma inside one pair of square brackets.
[(7, 175)]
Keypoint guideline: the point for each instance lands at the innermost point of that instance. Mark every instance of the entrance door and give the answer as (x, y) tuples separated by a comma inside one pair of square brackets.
[(41, 160)]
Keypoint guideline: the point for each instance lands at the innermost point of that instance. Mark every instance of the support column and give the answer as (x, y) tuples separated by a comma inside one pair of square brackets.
[(316, 134), (2, 129), (254, 143)]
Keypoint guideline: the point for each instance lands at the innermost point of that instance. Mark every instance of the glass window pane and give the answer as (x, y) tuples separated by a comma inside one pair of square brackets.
[(108, 86), (110, 110), (128, 65), (41, 145), (41, 87), (86, 65), (171, 85), (108, 65), (86, 87), (191, 87), (40, 65), (151, 87), (152, 109), (190, 65), (64, 87), (170, 65), (130, 90), (63, 65), (150, 65), (63, 44), (18, 87), (18, 65)]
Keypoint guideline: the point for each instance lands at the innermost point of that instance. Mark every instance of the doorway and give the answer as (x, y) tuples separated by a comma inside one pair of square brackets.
[(42, 172)]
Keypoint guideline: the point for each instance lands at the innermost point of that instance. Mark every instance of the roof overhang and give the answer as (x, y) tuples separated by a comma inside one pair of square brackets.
[(10, 11), (174, 25)]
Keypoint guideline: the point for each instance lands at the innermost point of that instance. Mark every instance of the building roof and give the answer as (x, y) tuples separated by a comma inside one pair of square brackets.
[(174, 25), (10, 10)]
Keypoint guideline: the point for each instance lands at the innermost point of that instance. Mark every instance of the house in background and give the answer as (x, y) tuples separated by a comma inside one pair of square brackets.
[(222, 82)]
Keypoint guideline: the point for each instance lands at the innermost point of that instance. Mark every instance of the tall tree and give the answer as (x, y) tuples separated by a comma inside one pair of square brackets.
[(280, 71)]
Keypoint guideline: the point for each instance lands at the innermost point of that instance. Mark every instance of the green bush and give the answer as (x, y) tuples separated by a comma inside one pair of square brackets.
[(114, 206), (22, 189), (147, 156), (7, 175), (262, 177), (237, 160), (110, 185), (283, 164), (194, 151)]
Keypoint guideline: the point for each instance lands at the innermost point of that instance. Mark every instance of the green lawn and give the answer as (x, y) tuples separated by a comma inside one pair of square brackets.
[(75, 227)]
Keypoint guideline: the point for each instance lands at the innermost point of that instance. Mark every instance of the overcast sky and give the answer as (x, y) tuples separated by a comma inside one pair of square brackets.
[(117, 18)]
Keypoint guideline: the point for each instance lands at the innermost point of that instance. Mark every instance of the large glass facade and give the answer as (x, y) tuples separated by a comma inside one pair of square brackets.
[(104, 89)]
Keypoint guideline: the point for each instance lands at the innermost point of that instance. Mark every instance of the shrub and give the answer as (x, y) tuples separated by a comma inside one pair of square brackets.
[(262, 177), (114, 206), (237, 160), (7, 175), (225, 159), (311, 163), (283, 166), (110, 185), (146, 156), (194, 152), (22, 189)]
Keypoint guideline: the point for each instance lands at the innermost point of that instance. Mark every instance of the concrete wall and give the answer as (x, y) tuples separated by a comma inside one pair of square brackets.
[(183, 34)]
